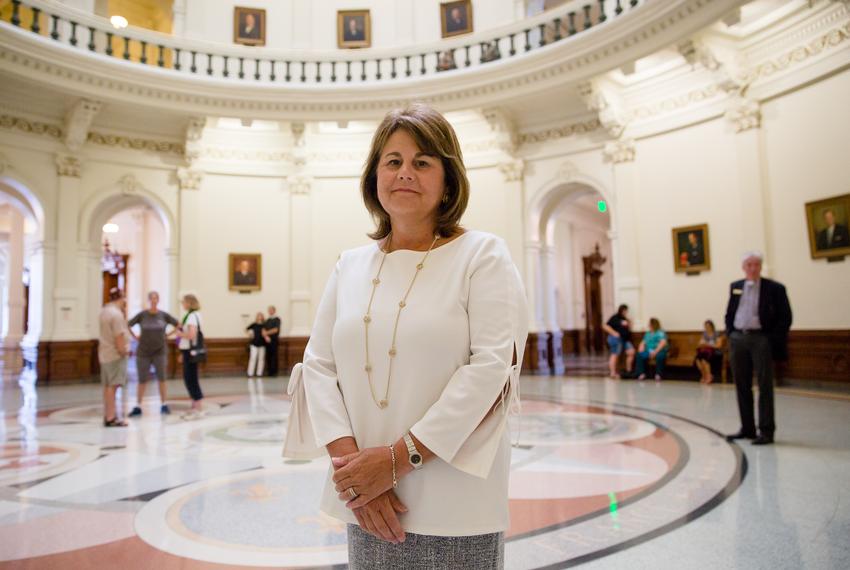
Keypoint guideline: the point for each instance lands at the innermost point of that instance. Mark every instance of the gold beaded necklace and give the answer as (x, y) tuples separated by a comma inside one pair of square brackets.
[(383, 403)]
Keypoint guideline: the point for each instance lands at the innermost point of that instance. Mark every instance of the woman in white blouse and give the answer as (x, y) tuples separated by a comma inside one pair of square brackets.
[(409, 369)]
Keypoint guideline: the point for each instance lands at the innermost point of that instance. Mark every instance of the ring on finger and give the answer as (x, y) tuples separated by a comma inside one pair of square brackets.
[(352, 493)]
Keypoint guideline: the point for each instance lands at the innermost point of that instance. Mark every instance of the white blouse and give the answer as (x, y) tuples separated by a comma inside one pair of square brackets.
[(455, 345)]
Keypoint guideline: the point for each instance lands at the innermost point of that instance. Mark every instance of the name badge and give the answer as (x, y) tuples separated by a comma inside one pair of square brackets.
[(737, 291)]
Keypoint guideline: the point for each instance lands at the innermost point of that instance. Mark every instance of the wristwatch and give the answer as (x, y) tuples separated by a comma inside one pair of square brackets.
[(413, 455)]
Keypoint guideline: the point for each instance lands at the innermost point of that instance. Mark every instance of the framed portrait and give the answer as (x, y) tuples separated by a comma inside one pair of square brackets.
[(249, 26), (829, 221), (456, 18), (691, 253), (245, 271), (353, 29)]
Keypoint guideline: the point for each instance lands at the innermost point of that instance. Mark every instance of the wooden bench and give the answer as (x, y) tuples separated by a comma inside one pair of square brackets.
[(683, 349)]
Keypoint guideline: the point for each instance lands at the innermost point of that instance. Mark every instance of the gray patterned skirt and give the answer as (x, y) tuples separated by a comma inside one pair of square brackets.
[(425, 552)]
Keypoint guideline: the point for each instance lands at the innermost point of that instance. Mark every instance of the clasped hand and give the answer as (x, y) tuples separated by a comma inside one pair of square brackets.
[(376, 507), (368, 472)]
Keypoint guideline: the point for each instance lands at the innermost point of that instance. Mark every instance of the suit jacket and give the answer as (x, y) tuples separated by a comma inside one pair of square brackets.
[(840, 238), (774, 313)]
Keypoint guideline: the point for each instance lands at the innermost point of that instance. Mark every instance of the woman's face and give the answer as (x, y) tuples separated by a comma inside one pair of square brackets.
[(410, 184), (260, 318), (154, 300), (185, 304)]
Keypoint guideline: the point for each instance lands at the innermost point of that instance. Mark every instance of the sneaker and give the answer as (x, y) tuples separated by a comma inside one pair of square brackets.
[(658, 378), (164, 410), (642, 377), (190, 415), (137, 411)]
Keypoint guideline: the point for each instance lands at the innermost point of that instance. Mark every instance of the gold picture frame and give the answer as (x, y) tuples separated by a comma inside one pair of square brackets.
[(691, 251), (456, 18), (819, 214), (245, 271), (353, 29), (249, 26)]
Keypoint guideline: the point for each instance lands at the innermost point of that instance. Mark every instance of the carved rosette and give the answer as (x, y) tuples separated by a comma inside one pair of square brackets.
[(68, 166), (189, 179), (619, 151)]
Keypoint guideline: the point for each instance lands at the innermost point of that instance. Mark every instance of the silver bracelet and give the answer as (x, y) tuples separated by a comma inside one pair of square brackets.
[(392, 455)]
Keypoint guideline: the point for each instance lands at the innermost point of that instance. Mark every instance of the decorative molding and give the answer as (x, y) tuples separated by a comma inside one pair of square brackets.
[(299, 184), (567, 171), (565, 131), (78, 122), (676, 103), (35, 127), (512, 170), (67, 165), (606, 101), (799, 54), (194, 133), (619, 151), (129, 185), (246, 155), (189, 179), (503, 129), (744, 114), (135, 143), (4, 163)]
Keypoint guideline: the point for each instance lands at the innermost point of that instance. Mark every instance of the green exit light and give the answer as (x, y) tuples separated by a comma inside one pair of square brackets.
[(602, 206)]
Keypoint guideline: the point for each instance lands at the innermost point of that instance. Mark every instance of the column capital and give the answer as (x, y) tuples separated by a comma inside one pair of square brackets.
[(78, 122), (744, 114), (299, 184), (619, 151), (189, 178), (512, 170), (67, 165)]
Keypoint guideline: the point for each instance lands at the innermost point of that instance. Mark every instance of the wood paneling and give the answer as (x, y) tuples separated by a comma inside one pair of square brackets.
[(820, 356)]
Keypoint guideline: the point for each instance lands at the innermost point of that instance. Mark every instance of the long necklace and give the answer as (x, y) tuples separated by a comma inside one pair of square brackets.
[(367, 319)]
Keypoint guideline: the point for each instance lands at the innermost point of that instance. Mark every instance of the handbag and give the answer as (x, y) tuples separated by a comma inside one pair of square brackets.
[(197, 349)]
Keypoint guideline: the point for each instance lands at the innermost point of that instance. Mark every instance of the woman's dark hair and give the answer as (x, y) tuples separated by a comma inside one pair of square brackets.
[(434, 136), (622, 309), (710, 323), (654, 324)]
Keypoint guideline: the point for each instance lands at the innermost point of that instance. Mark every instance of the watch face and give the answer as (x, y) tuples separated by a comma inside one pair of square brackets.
[(416, 459)]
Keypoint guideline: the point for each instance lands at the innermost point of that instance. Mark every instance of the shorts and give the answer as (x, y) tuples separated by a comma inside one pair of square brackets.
[(616, 344), (114, 373), (143, 366)]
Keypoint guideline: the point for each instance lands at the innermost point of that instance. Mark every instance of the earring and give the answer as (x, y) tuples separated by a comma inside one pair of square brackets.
[(446, 198)]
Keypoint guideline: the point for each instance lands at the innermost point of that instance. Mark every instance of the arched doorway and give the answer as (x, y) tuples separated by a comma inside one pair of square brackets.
[(569, 217), (141, 231), (21, 272)]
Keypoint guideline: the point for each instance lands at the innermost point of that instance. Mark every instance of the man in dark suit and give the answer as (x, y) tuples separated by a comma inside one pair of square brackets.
[(758, 317), (243, 275), (696, 254), (833, 235), (249, 28), (456, 22)]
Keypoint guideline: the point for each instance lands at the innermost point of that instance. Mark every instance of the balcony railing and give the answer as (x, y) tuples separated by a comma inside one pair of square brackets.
[(251, 64)]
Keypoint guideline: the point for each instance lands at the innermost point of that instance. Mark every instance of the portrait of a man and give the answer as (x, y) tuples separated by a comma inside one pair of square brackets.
[(690, 249), (249, 26), (828, 222), (245, 271), (353, 29), (456, 18)]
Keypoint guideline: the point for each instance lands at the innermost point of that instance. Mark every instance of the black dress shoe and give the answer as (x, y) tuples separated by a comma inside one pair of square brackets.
[(763, 440), (740, 435)]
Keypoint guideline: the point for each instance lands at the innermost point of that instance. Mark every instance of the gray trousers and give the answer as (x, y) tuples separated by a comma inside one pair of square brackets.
[(143, 366), (751, 353), (425, 552)]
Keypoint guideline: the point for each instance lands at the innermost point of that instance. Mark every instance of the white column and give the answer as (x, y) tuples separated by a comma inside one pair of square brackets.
[(190, 231), (745, 118), (550, 312), (13, 322), (534, 283), (624, 241), (178, 18), (68, 299), (169, 296), (300, 291), (513, 173)]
